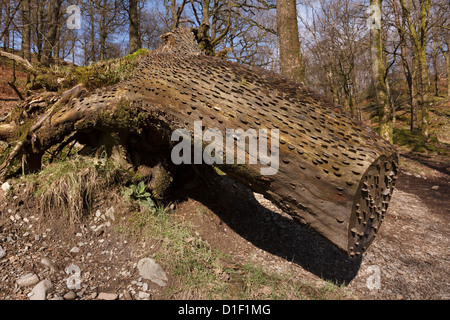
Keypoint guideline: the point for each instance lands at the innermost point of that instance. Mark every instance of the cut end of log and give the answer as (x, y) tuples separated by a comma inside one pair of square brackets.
[(371, 202)]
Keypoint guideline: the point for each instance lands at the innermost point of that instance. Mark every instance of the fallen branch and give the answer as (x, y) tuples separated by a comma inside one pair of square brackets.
[(23, 62)]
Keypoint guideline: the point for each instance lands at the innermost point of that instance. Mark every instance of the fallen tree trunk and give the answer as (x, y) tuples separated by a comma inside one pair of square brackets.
[(334, 174)]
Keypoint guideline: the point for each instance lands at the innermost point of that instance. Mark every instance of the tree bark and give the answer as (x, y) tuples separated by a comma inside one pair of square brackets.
[(26, 30), (51, 38), (134, 26), (288, 40)]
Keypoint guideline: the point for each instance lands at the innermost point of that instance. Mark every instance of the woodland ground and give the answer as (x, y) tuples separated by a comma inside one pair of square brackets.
[(219, 240)]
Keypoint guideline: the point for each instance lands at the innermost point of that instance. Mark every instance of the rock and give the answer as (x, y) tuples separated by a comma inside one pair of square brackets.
[(75, 250), (27, 280), (5, 187), (70, 295), (47, 263), (149, 269), (107, 296), (143, 295), (2, 253), (40, 291), (110, 214), (127, 295), (434, 187)]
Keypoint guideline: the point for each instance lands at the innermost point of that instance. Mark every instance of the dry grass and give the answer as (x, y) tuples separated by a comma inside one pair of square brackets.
[(69, 188)]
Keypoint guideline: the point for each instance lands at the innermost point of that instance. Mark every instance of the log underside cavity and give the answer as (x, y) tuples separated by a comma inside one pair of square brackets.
[(335, 175)]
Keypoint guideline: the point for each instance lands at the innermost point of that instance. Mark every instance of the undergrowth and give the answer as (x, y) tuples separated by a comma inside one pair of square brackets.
[(69, 188)]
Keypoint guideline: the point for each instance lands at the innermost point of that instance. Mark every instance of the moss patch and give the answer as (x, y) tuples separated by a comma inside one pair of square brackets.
[(417, 142), (105, 73)]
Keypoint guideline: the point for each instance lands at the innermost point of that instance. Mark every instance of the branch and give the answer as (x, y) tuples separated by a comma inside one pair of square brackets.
[(23, 62)]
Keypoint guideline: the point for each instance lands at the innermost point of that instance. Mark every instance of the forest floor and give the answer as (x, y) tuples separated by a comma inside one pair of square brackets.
[(232, 244), (222, 241)]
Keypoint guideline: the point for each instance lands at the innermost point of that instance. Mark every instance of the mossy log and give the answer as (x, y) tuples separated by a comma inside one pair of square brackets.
[(335, 175)]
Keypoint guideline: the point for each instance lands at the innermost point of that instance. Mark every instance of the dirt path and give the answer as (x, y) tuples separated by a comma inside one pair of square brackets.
[(408, 260)]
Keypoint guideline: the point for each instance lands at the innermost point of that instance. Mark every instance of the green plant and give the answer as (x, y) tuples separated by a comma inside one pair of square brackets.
[(139, 194)]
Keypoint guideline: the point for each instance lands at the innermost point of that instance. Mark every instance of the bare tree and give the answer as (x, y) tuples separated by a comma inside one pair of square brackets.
[(418, 31), (335, 50)]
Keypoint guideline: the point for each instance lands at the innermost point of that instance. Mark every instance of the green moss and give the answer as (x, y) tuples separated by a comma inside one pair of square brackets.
[(105, 73), (136, 54), (124, 117), (417, 141)]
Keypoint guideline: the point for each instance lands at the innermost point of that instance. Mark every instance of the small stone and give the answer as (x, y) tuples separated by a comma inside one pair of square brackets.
[(27, 280), (98, 213), (70, 295), (267, 290), (75, 250), (434, 187), (2, 253), (47, 263), (110, 214), (143, 295), (41, 289), (127, 295), (107, 296), (6, 186), (149, 269)]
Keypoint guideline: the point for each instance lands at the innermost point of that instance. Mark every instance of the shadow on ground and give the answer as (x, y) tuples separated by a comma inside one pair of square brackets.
[(273, 232)]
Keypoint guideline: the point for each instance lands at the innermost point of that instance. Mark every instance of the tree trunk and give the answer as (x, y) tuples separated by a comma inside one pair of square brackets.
[(26, 32), (51, 38), (419, 38), (325, 168), (6, 31), (135, 41), (288, 40), (424, 92), (408, 69), (378, 76), (39, 27)]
